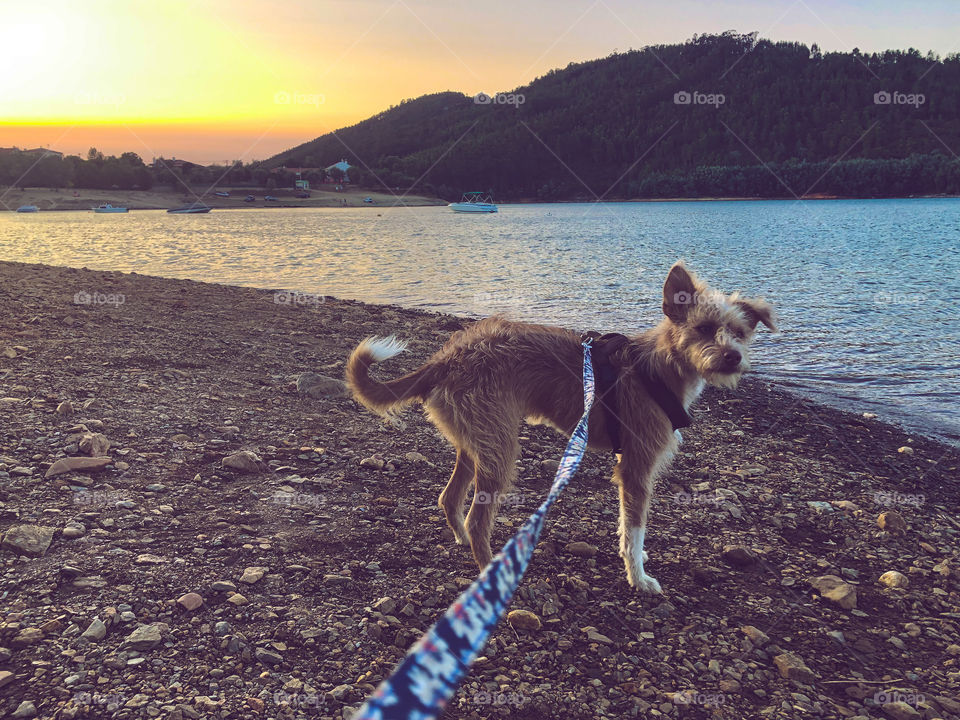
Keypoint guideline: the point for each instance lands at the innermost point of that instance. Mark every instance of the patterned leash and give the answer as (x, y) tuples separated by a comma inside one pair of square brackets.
[(425, 680)]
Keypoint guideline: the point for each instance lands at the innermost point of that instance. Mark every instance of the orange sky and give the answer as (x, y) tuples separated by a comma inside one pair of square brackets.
[(211, 80)]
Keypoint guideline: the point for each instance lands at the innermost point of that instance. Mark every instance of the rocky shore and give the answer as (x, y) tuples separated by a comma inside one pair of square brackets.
[(198, 522)]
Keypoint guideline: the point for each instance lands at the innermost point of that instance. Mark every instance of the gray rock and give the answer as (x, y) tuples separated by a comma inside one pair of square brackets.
[(26, 709), (244, 461), (320, 386), (96, 631), (267, 657), (145, 637), (32, 540)]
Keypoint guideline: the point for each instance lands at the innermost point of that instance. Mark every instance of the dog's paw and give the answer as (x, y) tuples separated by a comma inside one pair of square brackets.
[(645, 556), (647, 585)]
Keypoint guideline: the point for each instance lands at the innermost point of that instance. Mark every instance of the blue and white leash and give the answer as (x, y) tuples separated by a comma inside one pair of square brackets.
[(425, 680)]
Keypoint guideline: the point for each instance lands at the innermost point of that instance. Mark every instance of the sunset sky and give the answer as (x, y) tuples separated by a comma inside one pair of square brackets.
[(213, 80)]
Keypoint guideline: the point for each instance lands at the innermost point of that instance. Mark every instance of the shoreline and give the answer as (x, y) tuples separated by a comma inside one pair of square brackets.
[(133, 199), (319, 559), (54, 201)]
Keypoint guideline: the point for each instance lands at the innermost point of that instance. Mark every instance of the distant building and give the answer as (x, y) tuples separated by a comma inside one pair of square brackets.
[(343, 166), (162, 162)]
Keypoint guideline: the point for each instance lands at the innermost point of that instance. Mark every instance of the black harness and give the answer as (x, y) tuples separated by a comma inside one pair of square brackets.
[(602, 348)]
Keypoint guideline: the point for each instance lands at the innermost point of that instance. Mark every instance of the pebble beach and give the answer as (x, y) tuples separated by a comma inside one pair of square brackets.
[(198, 522)]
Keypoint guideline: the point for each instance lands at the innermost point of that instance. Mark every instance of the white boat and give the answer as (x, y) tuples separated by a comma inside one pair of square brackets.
[(190, 209), (108, 208), (474, 202), (28, 208)]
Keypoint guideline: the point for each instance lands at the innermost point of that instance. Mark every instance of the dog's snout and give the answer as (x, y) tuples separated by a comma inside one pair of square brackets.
[(732, 357)]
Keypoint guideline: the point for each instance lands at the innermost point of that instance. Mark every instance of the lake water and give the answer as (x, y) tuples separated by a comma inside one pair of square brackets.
[(867, 291)]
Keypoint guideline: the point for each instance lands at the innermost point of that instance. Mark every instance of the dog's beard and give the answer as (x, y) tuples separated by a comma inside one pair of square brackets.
[(709, 364)]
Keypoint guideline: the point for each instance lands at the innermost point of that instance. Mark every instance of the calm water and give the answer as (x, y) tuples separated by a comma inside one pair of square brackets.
[(867, 290)]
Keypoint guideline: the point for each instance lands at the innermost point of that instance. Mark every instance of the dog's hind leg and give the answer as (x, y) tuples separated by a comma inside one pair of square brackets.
[(496, 473), (453, 495)]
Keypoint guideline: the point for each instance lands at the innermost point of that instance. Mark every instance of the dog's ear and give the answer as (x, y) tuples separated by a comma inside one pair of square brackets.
[(679, 293), (757, 311)]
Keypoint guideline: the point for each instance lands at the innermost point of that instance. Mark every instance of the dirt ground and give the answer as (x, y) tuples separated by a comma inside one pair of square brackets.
[(165, 583)]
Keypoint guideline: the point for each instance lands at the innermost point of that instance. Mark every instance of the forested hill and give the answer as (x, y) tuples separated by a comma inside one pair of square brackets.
[(716, 116)]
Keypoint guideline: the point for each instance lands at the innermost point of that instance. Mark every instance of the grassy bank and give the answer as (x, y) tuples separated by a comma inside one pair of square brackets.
[(320, 560), (47, 199)]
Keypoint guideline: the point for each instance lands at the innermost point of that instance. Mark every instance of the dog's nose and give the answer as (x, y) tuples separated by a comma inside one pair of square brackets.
[(732, 357)]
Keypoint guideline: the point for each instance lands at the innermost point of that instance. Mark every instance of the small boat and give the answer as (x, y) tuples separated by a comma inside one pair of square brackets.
[(474, 202), (249, 198), (28, 208), (222, 193), (108, 208), (193, 209), (270, 198)]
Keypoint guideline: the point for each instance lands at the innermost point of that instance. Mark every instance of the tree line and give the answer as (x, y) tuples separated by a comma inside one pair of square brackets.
[(718, 115)]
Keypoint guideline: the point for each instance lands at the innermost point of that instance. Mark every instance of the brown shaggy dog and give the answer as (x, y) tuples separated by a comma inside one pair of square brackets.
[(487, 379)]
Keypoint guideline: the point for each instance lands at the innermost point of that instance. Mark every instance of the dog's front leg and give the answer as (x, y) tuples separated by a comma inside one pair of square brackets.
[(635, 480)]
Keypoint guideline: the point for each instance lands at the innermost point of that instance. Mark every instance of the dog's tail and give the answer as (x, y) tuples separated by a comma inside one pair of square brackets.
[(383, 397)]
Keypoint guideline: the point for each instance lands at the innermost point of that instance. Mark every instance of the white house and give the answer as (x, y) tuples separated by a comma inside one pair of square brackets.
[(343, 166)]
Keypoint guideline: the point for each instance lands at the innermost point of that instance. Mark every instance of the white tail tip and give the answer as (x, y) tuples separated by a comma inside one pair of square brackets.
[(383, 348)]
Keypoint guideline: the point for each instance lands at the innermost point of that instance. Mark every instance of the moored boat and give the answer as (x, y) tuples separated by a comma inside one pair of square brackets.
[(474, 202), (108, 208), (28, 209), (194, 209)]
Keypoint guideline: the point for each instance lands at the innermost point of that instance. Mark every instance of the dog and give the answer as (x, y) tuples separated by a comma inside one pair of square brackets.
[(490, 377)]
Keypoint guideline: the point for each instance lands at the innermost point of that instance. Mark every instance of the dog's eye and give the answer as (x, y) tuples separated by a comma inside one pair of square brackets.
[(738, 333), (707, 329)]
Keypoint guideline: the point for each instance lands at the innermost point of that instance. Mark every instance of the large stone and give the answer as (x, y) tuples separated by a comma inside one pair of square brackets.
[(32, 540), (77, 464), (96, 631), (900, 710), (836, 590), (94, 444), (894, 579), (145, 637), (252, 575), (27, 636), (320, 386), (582, 549), (738, 556), (244, 461), (757, 636), (892, 522), (190, 601), (792, 667), (523, 620), (26, 709)]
